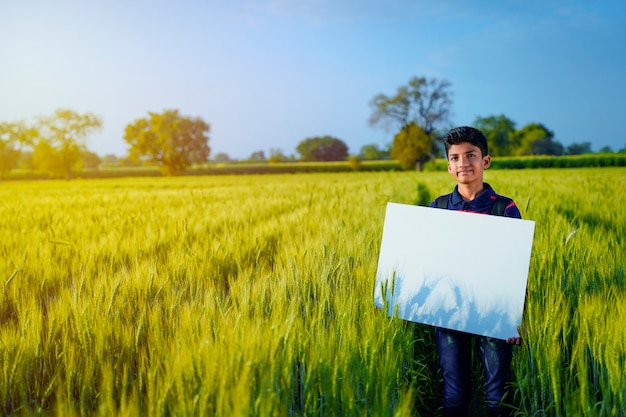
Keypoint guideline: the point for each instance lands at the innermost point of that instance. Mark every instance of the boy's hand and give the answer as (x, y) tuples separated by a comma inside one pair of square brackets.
[(516, 340)]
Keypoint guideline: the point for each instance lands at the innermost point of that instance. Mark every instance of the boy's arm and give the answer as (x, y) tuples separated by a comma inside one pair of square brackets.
[(517, 340)]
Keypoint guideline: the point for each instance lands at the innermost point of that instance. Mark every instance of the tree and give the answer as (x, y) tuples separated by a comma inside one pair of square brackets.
[(66, 132), (26, 160), (12, 137), (322, 148), (498, 131), (372, 152), (110, 160), (257, 156), (8, 150), (8, 157), (535, 139), (411, 147), (90, 159), (277, 155), (424, 103), (221, 157), (606, 149), (579, 148), (547, 146), (46, 158), (354, 162), (169, 140)]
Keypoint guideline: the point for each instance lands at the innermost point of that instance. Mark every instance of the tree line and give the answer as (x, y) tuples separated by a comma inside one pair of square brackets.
[(418, 113), (57, 144)]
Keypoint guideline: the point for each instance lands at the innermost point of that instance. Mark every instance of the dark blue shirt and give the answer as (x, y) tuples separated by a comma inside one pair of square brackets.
[(481, 204)]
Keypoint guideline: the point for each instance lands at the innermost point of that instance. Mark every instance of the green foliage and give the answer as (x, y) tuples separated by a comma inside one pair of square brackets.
[(579, 148), (547, 146), (169, 140), (322, 148), (354, 162), (605, 149), (422, 104), (535, 139), (221, 157), (56, 161), (423, 195), (257, 156), (372, 152), (8, 151), (19, 133), (12, 137), (576, 161), (411, 147), (63, 138), (504, 140), (498, 130), (277, 155), (90, 160), (8, 157)]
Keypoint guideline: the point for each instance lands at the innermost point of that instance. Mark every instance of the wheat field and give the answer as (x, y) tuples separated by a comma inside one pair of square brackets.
[(253, 296)]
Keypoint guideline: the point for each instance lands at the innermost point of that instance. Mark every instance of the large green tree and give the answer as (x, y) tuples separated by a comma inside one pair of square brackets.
[(13, 136), (579, 148), (411, 147), (498, 130), (535, 139), (322, 148), (424, 103), (169, 140), (66, 132)]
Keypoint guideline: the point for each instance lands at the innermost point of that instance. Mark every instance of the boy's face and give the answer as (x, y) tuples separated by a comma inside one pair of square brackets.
[(466, 163)]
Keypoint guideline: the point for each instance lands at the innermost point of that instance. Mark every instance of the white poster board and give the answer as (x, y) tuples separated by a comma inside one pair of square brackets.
[(458, 270)]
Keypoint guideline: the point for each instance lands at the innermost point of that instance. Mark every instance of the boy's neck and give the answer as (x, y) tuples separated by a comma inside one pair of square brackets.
[(469, 192)]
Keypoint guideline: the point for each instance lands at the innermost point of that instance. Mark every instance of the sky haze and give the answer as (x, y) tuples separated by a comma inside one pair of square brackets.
[(269, 74)]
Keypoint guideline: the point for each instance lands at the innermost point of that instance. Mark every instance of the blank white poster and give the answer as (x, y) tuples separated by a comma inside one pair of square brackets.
[(452, 269)]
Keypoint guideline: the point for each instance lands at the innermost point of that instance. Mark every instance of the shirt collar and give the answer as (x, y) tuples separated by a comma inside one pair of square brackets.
[(480, 200)]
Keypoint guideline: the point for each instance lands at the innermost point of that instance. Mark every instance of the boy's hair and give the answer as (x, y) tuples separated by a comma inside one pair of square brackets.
[(466, 134)]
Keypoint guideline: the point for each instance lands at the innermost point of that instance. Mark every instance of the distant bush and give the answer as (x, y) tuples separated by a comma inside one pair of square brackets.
[(295, 167), (573, 161)]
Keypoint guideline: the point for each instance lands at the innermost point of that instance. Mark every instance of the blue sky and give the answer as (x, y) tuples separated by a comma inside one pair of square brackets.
[(269, 73)]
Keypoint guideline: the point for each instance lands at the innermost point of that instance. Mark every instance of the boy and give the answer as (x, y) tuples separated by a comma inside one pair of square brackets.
[(468, 157)]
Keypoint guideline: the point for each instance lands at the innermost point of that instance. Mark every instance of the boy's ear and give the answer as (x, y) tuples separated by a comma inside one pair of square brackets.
[(486, 161)]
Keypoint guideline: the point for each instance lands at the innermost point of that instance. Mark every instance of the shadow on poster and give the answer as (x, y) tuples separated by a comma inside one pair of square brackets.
[(457, 270)]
